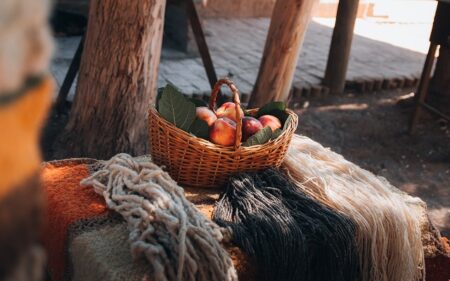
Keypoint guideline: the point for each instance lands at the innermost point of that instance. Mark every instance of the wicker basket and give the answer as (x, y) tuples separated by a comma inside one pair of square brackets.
[(195, 162)]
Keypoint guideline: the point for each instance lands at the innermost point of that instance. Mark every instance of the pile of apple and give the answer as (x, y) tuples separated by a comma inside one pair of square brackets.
[(220, 127), (222, 124)]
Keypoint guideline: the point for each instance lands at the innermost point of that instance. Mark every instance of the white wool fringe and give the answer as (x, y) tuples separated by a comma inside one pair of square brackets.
[(389, 237), (26, 43), (176, 239)]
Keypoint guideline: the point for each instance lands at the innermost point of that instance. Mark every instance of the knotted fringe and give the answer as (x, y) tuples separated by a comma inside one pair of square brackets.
[(178, 242), (287, 235), (389, 238)]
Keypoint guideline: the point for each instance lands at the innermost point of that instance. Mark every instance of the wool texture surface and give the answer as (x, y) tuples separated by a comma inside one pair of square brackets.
[(103, 254), (388, 229), (287, 235), (178, 242), (67, 203)]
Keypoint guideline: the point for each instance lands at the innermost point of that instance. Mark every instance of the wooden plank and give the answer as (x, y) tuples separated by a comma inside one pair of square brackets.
[(386, 85), (378, 84), (297, 93), (369, 85), (316, 91), (306, 92), (360, 85), (409, 82)]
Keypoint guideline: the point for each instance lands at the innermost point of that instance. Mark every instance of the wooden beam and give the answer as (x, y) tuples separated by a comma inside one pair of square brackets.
[(341, 43), (203, 49), (422, 89), (61, 100), (287, 30), (440, 84)]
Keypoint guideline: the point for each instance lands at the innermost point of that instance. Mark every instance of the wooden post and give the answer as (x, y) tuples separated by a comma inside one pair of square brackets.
[(117, 80), (422, 89), (440, 84), (60, 104), (287, 30), (341, 44)]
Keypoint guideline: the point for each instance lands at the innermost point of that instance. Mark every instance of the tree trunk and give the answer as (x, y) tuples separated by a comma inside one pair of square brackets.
[(341, 44), (117, 79), (287, 30)]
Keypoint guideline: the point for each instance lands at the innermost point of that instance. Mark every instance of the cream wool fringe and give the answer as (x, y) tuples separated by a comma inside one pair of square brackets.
[(178, 242), (389, 237)]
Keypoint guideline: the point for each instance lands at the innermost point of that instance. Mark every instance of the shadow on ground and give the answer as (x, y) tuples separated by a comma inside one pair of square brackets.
[(371, 131)]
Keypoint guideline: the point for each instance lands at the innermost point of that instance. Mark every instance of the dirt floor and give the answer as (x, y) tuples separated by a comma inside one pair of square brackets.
[(371, 131)]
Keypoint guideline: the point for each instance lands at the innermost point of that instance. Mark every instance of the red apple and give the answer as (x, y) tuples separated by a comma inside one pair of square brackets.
[(223, 132), (250, 126), (271, 121), (206, 115), (228, 110)]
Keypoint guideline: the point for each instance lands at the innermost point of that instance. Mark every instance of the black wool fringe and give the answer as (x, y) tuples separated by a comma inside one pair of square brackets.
[(288, 235)]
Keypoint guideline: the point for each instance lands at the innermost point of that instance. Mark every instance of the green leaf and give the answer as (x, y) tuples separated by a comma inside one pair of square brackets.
[(261, 137), (198, 102), (276, 133), (199, 129), (271, 108), (175, 108)]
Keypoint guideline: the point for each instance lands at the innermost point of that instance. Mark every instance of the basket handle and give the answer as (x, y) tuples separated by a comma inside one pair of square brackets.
[(237, 102)]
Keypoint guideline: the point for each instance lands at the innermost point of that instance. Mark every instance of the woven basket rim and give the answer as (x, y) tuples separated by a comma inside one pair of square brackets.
[(228, 149)]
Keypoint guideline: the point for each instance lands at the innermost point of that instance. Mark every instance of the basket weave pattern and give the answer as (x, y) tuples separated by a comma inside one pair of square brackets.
[(195, 162)]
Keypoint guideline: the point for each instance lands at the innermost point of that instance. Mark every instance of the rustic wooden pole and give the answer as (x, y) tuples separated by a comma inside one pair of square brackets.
[(440, 84), (117, 79), (60, 104), (341, 43), (422, 89), (287, 30)]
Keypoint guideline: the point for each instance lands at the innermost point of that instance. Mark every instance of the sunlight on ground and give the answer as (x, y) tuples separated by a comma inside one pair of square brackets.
[(405, 24), (345, 107)]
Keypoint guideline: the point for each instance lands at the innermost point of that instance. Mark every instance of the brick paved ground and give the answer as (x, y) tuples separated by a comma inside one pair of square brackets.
[(236, 46)]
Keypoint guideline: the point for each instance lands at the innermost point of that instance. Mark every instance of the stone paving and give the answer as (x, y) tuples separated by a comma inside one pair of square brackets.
[(236, 46)]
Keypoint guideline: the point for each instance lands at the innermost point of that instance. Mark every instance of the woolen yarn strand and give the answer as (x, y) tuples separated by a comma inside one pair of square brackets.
[(388, 229), (178, 241), (287, 235)]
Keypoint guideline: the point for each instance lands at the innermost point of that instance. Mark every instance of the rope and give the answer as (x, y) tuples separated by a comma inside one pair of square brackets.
[(388, 230), (287, 235), (178, 242)]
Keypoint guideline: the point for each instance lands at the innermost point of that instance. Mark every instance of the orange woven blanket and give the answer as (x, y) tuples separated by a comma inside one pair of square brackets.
[(67, 203), (70, 204)]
